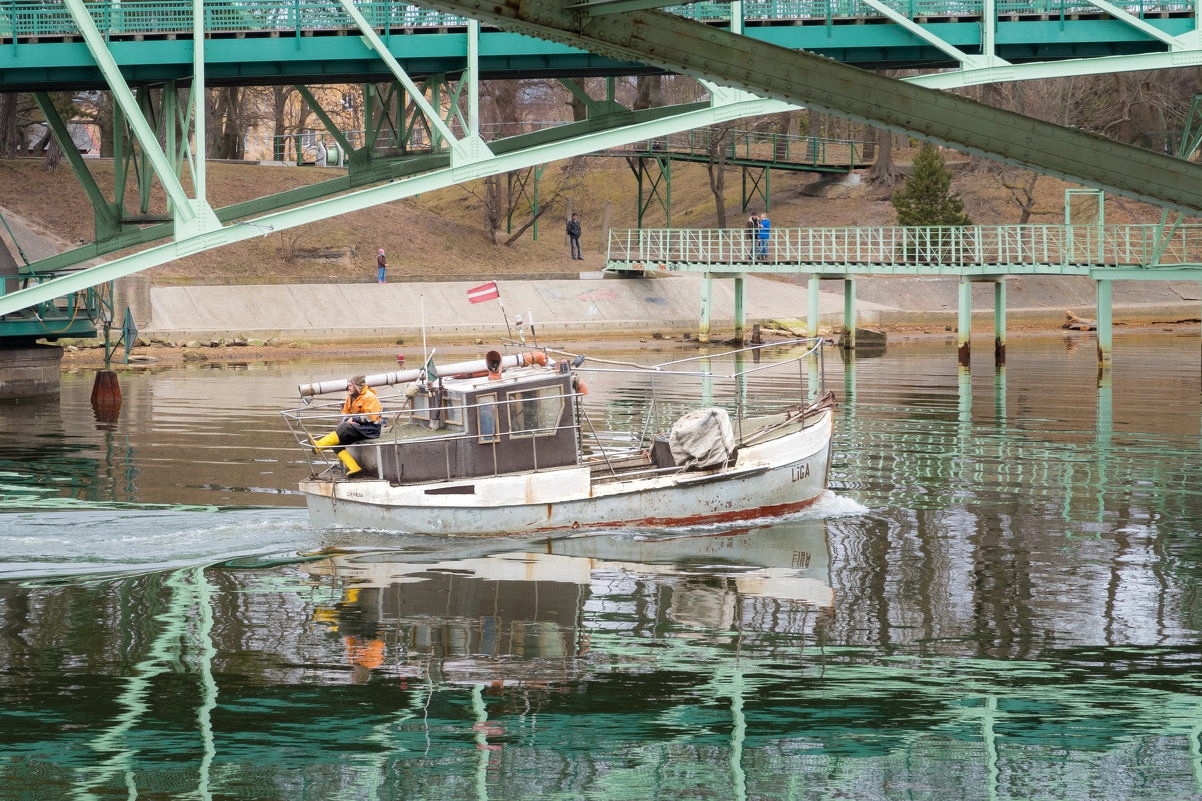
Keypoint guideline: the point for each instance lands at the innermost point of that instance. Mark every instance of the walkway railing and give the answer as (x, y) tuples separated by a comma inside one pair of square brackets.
[(1014, 248), (33, 18), (748, 146), (759, 146)]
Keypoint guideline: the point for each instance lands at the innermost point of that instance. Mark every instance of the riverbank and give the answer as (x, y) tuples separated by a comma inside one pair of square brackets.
[(163, 355), (669, 305)]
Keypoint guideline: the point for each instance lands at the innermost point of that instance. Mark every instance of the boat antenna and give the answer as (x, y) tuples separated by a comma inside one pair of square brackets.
[(533, 331), (425, 355)]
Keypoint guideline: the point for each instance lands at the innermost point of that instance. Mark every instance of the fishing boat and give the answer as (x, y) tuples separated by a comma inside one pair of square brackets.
[(504, 445)]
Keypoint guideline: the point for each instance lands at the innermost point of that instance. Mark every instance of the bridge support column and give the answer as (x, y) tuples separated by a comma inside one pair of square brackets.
[(964, 321), (707, 306), (812, 297), (740, 312), (29, 371), (1105, 294), (999, 321), (849, 313)]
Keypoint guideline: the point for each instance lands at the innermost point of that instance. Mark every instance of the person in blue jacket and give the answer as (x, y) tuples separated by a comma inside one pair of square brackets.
[(765, 232)]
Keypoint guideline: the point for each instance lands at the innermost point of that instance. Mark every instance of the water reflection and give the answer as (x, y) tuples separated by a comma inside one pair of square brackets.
[(1004, 607), (624, 666), (520, 606)]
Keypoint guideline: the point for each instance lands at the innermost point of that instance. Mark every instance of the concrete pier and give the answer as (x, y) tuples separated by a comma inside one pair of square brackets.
[(30, 370)]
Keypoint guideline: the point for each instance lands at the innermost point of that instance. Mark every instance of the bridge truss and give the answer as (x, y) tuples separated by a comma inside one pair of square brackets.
[(745, 76)]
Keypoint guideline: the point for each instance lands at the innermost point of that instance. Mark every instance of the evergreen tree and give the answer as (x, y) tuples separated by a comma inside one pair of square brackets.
[(925, 198)]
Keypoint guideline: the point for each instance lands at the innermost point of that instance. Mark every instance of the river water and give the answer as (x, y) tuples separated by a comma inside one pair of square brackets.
[(999, 599)]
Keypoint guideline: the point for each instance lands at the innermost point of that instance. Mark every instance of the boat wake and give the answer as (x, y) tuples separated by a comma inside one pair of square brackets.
[(42, 545)]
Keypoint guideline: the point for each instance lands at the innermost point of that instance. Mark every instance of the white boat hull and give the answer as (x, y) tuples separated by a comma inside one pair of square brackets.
[(775, 477)]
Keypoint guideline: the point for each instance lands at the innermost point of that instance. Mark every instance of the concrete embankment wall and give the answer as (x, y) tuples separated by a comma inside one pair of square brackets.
[(614, 307), (381, 311)]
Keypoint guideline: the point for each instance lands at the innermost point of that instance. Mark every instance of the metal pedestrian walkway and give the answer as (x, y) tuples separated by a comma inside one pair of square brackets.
[(973, 254), (1127, 252), (751, 58)]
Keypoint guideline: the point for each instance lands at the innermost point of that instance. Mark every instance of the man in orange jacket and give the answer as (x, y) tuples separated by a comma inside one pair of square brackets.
[(361, 420)]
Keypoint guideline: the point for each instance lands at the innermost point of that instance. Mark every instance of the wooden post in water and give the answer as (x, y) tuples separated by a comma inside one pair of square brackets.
[(1105, 295), (740, 312), (964, 321), (999, 321), (849, 313)]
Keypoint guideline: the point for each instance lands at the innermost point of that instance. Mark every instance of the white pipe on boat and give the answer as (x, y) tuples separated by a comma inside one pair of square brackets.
[(405, 376)]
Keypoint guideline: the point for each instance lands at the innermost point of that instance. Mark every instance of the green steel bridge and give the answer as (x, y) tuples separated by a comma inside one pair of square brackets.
[(979, 253), (751, 57), (755, 153), (299, 41)]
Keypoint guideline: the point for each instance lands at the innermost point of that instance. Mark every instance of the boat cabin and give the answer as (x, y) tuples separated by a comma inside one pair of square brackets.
[(521, 420)]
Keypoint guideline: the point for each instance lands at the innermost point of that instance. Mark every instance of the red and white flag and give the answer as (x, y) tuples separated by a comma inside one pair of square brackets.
[(479, 294)]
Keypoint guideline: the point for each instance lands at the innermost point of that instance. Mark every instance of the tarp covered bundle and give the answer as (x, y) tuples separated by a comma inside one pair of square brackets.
[(702, 439)]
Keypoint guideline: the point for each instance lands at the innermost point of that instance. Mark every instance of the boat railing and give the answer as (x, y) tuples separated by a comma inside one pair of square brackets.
[(410, 426), (725, 388), (610, 450)]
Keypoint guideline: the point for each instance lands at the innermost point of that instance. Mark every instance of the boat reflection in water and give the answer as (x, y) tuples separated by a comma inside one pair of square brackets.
[(525, 615), (702, 665)]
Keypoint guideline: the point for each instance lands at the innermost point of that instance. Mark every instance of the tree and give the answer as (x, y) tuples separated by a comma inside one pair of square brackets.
[(885, 171), (1021, 186), (718, 146), (926, 197), (926, 200)]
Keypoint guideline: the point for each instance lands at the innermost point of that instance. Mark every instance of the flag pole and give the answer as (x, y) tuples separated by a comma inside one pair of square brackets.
[(505, 315)]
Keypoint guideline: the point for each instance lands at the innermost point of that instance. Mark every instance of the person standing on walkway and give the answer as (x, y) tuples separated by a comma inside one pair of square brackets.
[(381, 266), (753, 232), (574, 237), (765, 232)]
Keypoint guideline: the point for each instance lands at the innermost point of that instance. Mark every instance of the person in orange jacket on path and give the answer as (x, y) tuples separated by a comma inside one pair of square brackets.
[(362, 420)]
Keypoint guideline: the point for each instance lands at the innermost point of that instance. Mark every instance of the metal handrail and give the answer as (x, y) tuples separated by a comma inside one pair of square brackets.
[(901, 246), (326, 416), (301, 420), (760, 146), (25, 18)]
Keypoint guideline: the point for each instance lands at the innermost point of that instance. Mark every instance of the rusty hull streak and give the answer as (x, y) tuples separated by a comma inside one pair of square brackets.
[(694, 520)]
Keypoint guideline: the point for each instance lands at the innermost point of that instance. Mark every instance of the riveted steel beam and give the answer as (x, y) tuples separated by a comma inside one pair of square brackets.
[(105, 212), (467, 150), (973, 76), (801, 78), (191, 216), (598, 7)]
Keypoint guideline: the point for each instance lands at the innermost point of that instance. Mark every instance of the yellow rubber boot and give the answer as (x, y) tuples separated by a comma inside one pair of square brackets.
[(352, 467), (326, 441)]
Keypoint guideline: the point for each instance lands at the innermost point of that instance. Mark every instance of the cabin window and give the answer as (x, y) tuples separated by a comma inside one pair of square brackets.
[(421, 407), (535, 412), (453, 413), (487, 418)]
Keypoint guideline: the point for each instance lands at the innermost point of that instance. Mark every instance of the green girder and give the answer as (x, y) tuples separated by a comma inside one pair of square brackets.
[(799, 78), (516, 153)]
